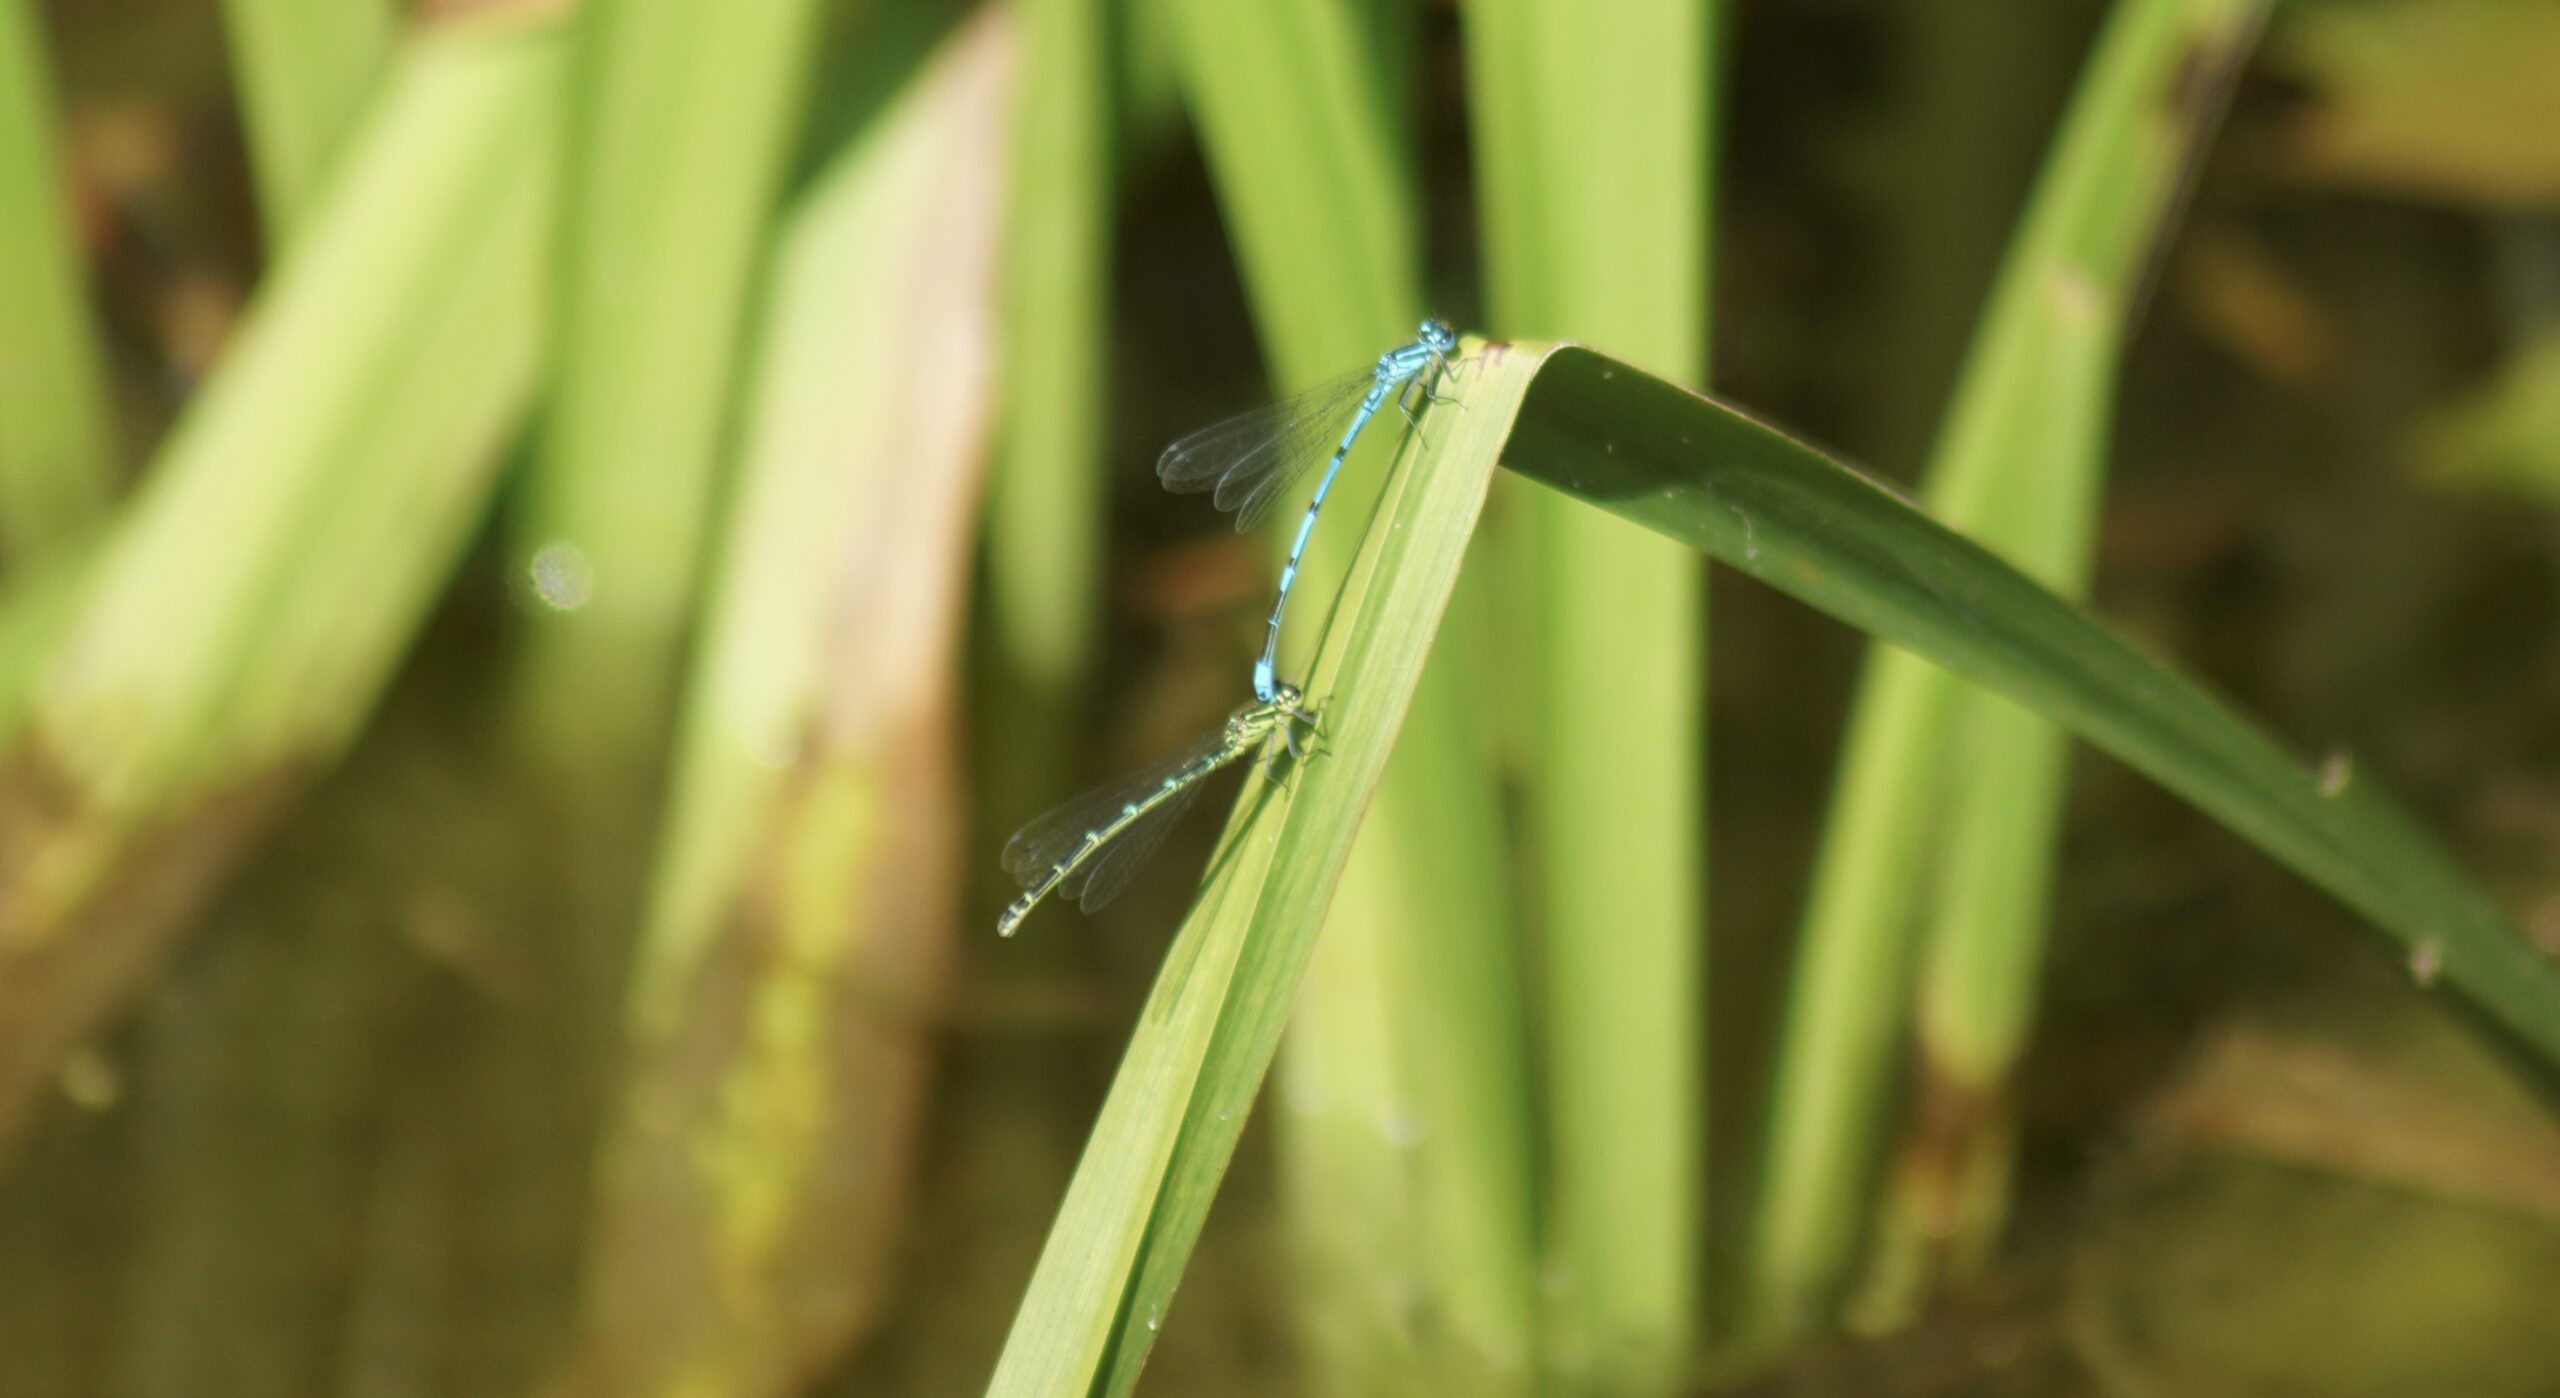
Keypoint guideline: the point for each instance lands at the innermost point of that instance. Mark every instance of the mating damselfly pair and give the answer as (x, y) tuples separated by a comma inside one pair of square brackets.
[(1091, 846)]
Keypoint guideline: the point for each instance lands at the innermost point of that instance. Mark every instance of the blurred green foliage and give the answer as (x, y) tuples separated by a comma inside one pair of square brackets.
[(425, 428)]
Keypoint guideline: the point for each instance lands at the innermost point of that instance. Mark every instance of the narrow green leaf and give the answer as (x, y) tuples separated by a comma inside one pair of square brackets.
[(1782, 511), (1294, 116), (1046, 522), (1987, 835), (1210, 1028), (344, 446), (305, 70), (1296, 110), (807, 878), (684, 119), (33, 616), (1592, 143), (57, 432), (2016, 467)]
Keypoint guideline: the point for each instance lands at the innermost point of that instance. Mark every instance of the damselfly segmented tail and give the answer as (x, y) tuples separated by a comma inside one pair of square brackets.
[(1250, 461), (1091, 846)]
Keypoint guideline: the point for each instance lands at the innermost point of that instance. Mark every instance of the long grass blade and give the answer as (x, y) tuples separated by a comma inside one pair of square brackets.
[(57, 432), (1805, 523), (1297, 111), (808, 875), (251, 603), (1046, 522), (1211, 1026), (684, 121), (1593, 152), (304, 70), (2016, 467)]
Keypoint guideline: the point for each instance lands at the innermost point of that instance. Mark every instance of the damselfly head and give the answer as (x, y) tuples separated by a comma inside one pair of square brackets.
[(1437, 335)]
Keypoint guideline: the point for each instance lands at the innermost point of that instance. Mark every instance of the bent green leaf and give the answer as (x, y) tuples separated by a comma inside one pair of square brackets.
[(1831, 536)]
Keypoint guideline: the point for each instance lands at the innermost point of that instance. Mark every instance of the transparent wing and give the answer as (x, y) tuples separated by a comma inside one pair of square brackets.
[(1250, 459), (1254, 504), (1042, 843), (1099, 880)]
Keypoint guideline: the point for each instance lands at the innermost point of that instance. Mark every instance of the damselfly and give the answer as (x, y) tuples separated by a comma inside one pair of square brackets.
[(1092, 845), (1251, 460)]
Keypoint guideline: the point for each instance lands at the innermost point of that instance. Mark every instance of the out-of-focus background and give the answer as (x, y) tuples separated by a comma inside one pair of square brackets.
[(544, 546)]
